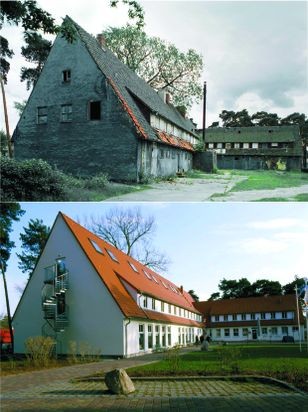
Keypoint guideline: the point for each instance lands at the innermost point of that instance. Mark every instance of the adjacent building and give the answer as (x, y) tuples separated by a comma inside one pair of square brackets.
[(259, 147), (85, 291), (267, 318), (88, 114)]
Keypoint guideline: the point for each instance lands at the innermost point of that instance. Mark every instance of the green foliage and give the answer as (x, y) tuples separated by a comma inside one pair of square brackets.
[(3, 143), (33, 241), (172, 356), (193, 295), (39, 350), (20, 106), (229, 357), (159, 63), (135, 11), (235, 119), (31, 180)]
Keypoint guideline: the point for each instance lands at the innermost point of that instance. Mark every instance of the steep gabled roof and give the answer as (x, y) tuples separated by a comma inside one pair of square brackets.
[(115, 268), (127, 84), (258, 304)]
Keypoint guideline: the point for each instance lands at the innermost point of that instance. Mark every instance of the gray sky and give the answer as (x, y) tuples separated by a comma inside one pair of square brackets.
[(205, 241), (255, 52)]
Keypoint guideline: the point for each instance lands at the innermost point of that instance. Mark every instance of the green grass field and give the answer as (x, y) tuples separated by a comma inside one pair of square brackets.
[(281, 361), (268, 179)]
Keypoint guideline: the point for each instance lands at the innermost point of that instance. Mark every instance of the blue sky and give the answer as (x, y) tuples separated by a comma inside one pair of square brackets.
[(205, 242), (255, 52)]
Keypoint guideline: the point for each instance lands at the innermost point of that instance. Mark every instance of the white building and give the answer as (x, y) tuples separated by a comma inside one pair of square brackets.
[(84, 291), (267, 318)]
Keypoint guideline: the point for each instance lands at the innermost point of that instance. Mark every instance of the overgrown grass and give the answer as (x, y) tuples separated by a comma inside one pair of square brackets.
[(268, 180), (302, 197), (281, 361)]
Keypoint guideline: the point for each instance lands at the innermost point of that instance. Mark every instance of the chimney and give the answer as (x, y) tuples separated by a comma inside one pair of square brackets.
[(181, 289), (168, 98), (101, 40)]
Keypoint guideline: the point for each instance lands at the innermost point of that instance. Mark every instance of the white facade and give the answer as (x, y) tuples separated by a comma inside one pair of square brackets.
[(94, 318)]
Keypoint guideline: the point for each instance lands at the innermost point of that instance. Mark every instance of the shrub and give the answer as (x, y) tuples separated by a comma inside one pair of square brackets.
[(30, 180), (173, 358), (39, 350), (229, 357)]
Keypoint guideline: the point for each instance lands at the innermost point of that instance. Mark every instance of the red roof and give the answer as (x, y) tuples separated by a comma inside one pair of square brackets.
[(115, 266), (174, 141), (5, 336)]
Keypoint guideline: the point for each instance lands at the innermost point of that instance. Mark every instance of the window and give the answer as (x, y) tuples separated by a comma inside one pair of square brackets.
[(96, 247), (164, 284), (236, 145), (179, 336), (66, 76), (285, 330), (42, 115), (253, 316), (141, 337), (284, 315), (133, 267), (264, 331), (245, 331), (154, 278), (145, 301), (211, 146), (235, 332), (180, 312), (255, 145), (174, 310), (153, 304), (162, 306), (234, 316), (147, 274), (157, 336), (167, 154), (216, 318), (218, 333), (274, 331), (169, 308), (95, 110), (274, 144), (150, 337), (161, 153), (227, 332), (225, 318), (112, 255), (169, 335), (219, 145), (246, 146), (66, 113), (243, 316), (163, 335), (262, 315), (273, 315)]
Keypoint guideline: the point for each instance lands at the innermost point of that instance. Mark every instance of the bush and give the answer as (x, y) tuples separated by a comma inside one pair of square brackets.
[(31, 180), (229, 357), (39, 350)]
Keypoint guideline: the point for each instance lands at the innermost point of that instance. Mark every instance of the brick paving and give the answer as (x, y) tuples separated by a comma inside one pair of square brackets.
[(58, 390)]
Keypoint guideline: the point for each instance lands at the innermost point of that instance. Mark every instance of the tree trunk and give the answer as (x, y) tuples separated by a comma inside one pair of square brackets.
[(8, 309), (8, 137)]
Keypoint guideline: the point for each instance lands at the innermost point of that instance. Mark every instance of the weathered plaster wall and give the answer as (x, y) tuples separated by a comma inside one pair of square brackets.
[(82, 146)]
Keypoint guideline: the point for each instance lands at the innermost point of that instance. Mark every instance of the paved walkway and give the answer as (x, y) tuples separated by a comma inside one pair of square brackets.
[(56, 390)]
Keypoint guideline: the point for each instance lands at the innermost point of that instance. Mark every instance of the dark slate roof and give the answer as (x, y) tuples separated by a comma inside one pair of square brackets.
[(127, 84), (254, 134)]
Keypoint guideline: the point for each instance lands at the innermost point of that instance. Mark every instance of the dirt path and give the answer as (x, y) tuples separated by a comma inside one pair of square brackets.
[(216, 188)]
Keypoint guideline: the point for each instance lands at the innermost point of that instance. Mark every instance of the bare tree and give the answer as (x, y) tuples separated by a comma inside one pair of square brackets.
[(132, 233)]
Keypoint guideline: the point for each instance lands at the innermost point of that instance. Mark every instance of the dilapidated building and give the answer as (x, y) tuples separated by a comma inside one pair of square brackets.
[(88, 113), (259, 147)]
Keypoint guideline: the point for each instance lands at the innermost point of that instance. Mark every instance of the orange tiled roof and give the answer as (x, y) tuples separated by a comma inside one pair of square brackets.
[(174, 141), (141, 278)]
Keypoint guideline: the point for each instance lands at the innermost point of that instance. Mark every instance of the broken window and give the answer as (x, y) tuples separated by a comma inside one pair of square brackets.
[(66, 113), (95, 110), (42, 115), (66, 76)]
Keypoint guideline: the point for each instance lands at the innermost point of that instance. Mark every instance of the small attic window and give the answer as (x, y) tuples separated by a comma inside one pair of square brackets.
[(96, 246), (133, 267), (154, 278), (66, 76), (112, 255)]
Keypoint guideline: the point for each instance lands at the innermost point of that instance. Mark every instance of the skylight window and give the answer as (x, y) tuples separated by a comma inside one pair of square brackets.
[(164, 284), (154, 278), (133, 267), (96, 246), (147, 275), (112, 255)]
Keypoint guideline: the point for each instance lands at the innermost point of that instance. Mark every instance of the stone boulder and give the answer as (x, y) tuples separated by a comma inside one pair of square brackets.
[(117, 381)]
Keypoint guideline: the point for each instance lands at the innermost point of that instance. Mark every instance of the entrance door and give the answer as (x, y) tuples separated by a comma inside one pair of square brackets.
[(254, 334)]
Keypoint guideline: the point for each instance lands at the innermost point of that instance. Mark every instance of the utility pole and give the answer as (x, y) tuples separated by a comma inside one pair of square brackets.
[(204, 112)]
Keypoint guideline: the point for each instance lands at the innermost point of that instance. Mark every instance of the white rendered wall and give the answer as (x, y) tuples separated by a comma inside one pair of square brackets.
[(94, 317)]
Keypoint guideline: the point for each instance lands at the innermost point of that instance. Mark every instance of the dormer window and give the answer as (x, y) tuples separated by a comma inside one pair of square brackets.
[(66, 76)]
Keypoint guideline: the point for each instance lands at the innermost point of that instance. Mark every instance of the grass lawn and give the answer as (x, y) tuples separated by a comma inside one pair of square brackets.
[(268, 179), (281, 361)]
